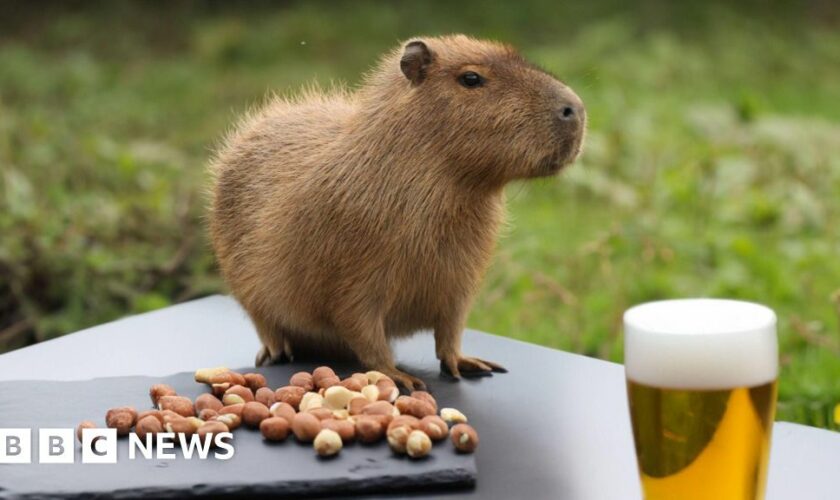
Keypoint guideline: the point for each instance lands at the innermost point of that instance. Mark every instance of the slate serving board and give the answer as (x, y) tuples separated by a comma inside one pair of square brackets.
[(257, 467)]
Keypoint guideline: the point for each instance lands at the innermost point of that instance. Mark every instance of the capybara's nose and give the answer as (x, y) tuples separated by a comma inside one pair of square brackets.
[(570, 108)]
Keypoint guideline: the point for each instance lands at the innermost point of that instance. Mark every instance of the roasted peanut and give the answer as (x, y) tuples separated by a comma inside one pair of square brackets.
[(408, 420), (352, 384), (368, 429), (434, 427), (327, 443), (121, 418), (207, 414), (274, 428), (408, 405), (370, 392), (155, 413), (379, 408), (234, 409), (305, 426), (231, 420), (398, 437), (220, 389), (255, 381), (265, 396), (85, 424), (241, 391), (341, 414), (373, 376), (157, 391), (322, 372), (344, 428), (149, 424), (233, 399), (337, 397), (302, 379), (464, 438), (355, 405), (183, 425), (452, 416), (311, 400), (207, 401), (290, 394), (204, 375), (322, 413), (282, 410), (253, 413), (387, 389), (418, 444), (425, 396), (327, 382), (179, 404), (209, 429)]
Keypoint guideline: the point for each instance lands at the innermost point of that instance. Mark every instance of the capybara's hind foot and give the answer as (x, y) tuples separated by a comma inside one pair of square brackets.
[(457, 363)]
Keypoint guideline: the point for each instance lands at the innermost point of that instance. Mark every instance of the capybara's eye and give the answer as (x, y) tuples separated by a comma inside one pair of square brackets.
[(471, 79)]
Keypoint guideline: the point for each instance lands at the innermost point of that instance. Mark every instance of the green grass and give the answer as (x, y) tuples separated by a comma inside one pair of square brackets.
[(712, 164)]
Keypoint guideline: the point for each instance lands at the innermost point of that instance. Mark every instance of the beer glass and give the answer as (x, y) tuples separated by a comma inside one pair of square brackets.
[(701, 382)]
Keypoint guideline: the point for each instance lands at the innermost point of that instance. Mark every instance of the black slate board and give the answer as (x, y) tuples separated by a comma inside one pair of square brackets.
[(257, 468)]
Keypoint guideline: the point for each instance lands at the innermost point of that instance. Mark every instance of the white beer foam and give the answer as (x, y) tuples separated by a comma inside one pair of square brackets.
[(700, 344)]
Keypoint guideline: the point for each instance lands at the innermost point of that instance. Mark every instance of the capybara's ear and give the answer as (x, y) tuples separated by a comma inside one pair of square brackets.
[(415, 60)]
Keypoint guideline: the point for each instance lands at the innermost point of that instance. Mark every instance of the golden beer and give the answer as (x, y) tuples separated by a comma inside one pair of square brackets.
[(699, 444), (701, 384)]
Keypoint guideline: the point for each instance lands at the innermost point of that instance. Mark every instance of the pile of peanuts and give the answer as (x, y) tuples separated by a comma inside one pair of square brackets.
[(316, 407)]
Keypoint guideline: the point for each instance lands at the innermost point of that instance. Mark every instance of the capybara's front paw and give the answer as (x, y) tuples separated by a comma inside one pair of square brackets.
[(457, 363)]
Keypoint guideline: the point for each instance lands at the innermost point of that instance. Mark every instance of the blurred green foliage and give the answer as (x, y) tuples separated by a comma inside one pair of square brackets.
[(712, 165)]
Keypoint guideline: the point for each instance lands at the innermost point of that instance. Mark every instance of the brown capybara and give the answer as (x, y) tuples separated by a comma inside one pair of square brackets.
[(342, 220)]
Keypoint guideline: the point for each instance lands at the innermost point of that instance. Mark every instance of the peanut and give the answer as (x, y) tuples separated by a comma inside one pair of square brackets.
[(149, 424), (464, 438), (274, 428), (203, 375), (412, 406), (373, 376), (398, 437), (155, 413), (179, 404), (207, 401), (253, 413), (409, 420), (305, 426), (311, 400), (387, 390), (341, 414), (355, 405), (337, 397), (241, 391), (327, 443), (379, 408), (434, 427), (207, 414), (418, 444), (290, 394), (85, 424), (282, 410), (322, 372), (183, 425), (231, 420), (370, 392), (352, 384), (425, 396), (255, 381), (302, 379), (369, 430), (321, 413), (209, 429), (234, 409), (344, 428), (157, 391), (265, 396), (453, 416), (121, 418)]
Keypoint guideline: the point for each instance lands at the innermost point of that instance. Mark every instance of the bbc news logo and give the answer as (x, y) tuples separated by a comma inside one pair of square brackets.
[(99, 446)]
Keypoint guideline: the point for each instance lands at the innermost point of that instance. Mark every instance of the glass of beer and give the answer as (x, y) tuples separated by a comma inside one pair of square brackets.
[(701, 381)]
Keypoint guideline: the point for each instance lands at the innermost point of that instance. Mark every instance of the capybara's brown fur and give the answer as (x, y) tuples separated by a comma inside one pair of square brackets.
[(343, 220)]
